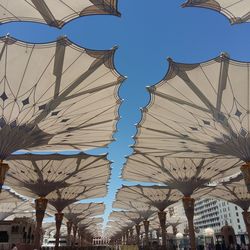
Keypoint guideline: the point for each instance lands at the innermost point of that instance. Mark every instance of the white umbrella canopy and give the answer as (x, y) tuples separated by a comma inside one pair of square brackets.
[(38, 175), (157, 196), (64, 197), (8, 196), (54, 12), (199, 111), (143, 210), (187, 175), (236, 11), (17, 209), (56, 96)]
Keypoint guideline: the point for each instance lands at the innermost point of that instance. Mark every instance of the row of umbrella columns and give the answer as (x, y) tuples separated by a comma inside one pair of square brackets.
[(189, 130), (52, 123)]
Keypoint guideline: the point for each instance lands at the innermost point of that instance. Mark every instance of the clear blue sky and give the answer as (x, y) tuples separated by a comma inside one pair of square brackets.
[(147, 33)]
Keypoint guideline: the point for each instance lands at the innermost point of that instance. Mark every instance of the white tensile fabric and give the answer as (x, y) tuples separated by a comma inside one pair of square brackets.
[(54, 12), (156, 196), (199, 110), (62, 198), (15, 208), (38, 175), (78, 212), (7, 196), (143, 210), (187, 175), (235, 192), (236, 11), (56, 96)]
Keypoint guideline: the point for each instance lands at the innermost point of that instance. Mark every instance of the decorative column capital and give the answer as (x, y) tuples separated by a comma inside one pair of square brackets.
[(162, 218), (188, 204), (40, 206), (3, 170), (245, 169)]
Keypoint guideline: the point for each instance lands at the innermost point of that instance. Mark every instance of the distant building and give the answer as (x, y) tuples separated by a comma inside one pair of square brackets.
[(214, 213), (19, 231)]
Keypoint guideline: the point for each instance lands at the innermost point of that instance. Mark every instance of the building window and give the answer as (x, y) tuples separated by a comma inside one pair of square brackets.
[(237, 214), (236, 208)]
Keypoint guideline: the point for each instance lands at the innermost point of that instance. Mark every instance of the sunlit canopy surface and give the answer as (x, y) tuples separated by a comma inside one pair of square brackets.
[(15, 208), (184, 174), (235, 192), (80, 210), (8, 196), (56, 96), (156, 196), (38, 175), (142, 210), (199, 110), (62, 198), (53, 12), (236, 11)]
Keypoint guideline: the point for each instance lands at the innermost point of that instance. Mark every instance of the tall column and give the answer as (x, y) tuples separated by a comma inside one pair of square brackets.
[(245, 169), (188, 204), (175, 231), (58, 218), (131, 235), (69, 228), (3, 170), (40, 205), (127, 237), (137, 228), (162, 219), (74, 234), (146, 228), (246, 217)]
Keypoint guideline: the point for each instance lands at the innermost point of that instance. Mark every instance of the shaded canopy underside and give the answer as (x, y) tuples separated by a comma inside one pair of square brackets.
[(62, 198), (54, 12), (199, 110), (156, 196), (56, 96), (184, 174), (236, 11), (235, 192), (38, 175), (7, 196)]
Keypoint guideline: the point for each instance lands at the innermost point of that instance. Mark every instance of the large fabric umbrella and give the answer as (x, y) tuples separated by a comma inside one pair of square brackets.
[(38, 176), (55, 96), (54, 12), (236, 11), (157, 196), (199, 110)]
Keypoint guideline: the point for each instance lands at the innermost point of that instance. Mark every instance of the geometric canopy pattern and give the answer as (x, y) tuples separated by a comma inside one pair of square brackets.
[(54, 12), (38, 175), (184, 174), (56, 96), (199, 110), (235, 192), (236, 11), (157, 196)]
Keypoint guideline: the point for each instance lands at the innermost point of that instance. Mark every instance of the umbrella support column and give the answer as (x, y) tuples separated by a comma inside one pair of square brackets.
[(246, 217), (131, 235), (146, 228), (162, 219), (58, 218), (138, 228), (188, 204), (69, 228), (74, 234), (41, 205), (3, 170), (127, 238), (245, 169)]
